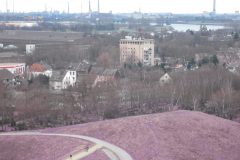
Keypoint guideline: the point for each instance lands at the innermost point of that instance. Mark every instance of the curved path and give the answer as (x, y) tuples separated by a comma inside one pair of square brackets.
[(117, 153)]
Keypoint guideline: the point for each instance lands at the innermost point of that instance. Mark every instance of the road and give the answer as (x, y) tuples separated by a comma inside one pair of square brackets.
[(83, 154), (112, 151)]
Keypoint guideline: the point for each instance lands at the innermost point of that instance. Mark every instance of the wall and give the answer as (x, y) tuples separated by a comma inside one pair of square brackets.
[(16, 69), (135, 49), (69, 79), (30, 48)]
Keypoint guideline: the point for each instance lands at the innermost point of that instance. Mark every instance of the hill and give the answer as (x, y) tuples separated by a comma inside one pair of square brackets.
[(179, 135)]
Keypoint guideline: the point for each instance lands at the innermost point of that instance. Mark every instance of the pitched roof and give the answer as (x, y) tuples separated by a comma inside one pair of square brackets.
[(109, 72), (97, 70), (165, 76), (5, 74), (40, 67), (58, 75), (36, 67), (80, 67)]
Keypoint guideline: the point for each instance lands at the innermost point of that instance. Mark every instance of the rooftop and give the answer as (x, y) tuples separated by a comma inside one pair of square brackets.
[(5, 74), (134, 39), (109, 72), (40, 67), (11, 64), (97, 70), (58, 75), (83, 66)]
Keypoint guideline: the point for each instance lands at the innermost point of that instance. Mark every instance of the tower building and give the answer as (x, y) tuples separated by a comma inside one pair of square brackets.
[(214, 6), (98, 6), (89, 9), (137, 50), (7, 11), (68, 8)]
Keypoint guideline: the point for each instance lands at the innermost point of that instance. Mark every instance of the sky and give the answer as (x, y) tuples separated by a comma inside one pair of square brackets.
[(123, 6)]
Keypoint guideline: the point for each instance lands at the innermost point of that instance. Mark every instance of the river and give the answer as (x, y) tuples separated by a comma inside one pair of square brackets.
[(194, 27)]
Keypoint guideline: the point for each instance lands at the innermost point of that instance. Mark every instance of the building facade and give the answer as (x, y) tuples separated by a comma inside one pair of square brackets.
[(30, 48), (41, 68), (69, 79), (108, 75), (135, 50), (17, 69), (63, 80)]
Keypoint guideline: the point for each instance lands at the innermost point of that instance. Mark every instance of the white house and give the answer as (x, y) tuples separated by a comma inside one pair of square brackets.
[(165, 79), (41, 68), (63, 79), (69, 79), (30, 48), (108, 75)]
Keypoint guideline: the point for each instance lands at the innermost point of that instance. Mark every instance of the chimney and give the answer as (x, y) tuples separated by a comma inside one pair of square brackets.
[(98, 6), (68, 7), (13, 6), (214, 6), (81, 7), (46, 7), (7, 6), (90, 10)]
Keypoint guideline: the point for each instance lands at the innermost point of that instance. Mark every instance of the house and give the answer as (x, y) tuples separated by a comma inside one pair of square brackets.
[(94, 74), (97, 75), (165, 79), (83, 67), (7, 78), (10, 47), (109, 75), (179, 68), (96, 70), (8, 54), (41, 68), (56, 81), (18, 69), (30, 48), (157, 61), (63, 79), (106, 75)]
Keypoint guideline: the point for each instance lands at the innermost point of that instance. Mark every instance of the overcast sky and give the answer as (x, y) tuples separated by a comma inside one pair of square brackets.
[(174, 6)]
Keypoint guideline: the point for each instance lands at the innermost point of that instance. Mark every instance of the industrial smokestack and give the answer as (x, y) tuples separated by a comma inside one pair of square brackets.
[(90, 10), (13, 7), (81, 7), (214, 6), (98, 6), (6, 6), (46, 9), (68, 7)]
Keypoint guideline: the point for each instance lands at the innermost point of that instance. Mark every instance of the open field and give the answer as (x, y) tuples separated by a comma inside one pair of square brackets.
[(40, 35)]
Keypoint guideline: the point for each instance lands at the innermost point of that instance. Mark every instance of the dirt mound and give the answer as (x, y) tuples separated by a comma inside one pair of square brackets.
[(179, 135), (38, 147)]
